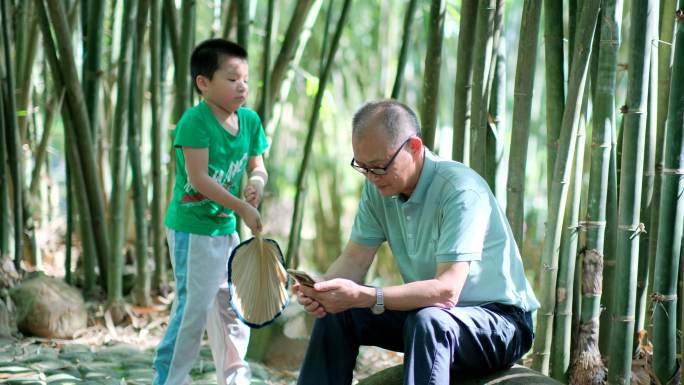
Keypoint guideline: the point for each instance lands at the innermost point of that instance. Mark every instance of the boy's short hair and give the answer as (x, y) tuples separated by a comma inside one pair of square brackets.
[(208, 55)]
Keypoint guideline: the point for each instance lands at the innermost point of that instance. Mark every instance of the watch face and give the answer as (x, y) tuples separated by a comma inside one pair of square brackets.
[(377, 309)]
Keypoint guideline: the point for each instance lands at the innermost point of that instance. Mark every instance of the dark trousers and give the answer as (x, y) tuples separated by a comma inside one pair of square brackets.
[(436, 342)]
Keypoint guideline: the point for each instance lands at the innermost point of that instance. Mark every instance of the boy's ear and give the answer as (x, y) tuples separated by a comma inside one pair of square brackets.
[(202, 82)]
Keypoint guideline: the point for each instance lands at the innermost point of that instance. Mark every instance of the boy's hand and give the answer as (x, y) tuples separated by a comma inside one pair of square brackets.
[(254, 191), (251, 216)]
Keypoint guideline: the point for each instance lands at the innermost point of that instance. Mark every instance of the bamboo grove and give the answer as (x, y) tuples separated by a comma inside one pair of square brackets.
[(573, 111)]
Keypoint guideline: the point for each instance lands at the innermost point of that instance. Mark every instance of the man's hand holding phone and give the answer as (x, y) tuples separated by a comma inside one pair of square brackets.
[(304, 290)]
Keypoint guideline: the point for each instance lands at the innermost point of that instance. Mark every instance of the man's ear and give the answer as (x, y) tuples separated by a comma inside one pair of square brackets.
[(416, 145)]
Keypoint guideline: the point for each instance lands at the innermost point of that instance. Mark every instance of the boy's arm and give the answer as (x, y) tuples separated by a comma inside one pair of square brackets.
[(196, 165), (258, 177)]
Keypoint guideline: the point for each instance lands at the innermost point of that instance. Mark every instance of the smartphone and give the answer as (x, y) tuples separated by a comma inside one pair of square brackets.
[(301, 277)]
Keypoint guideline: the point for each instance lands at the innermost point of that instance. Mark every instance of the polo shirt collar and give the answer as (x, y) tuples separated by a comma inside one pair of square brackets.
[(425, 178)]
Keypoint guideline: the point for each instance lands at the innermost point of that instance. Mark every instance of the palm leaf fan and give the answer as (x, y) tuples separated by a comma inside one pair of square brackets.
[(257, 281)]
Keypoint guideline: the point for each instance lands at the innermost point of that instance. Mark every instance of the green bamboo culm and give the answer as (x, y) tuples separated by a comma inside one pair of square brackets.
[(92, 68), (464, 82), (4, 189), (80, 126), (562, 329), (559, 192), (587, 366), (119, 156), (297, 216), (243, 23), (664, 294), (665, 44), (495, 117), (141, 289), (433, 65), (183, 97), (643, 15), (554, 78), (403, 51), (265, 97), (157, 202), (78, 185), (482, 60), (522, 108), (13, 149)]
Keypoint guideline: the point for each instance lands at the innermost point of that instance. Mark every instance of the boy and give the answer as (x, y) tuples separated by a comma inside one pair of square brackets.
[(214, 140)]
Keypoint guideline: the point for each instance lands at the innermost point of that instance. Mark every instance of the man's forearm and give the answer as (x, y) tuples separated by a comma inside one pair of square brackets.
[(346, 267)]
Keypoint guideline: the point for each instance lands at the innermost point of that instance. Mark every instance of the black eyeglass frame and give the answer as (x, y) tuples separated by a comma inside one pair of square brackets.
[(377, 170)]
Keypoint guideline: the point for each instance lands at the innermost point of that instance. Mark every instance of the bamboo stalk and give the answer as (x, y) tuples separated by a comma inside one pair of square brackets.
[(671, 222), (464, 82), (403, 51), (522, 107), (79, 118), (433, 66), (631, 173), (558, 196), (587, 367), (555, 78), (295, 236), (482, 60), (14, 157)]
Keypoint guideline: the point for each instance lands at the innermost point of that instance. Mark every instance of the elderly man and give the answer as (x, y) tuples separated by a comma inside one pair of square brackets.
[(465, 304)]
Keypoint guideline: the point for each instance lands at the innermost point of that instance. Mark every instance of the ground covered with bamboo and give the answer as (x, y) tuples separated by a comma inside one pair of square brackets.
[(107, 354)]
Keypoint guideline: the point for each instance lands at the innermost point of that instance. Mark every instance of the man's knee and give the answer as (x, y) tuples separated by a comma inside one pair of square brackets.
[(429, 320)]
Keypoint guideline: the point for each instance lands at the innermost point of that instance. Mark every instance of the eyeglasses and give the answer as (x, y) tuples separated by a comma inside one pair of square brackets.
[(377, 170)]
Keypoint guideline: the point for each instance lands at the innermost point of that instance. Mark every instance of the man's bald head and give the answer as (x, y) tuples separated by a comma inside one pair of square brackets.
[(392, 118)]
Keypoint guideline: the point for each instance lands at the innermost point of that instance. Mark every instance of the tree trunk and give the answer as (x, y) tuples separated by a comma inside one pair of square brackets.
[(482, 59), (522, 106), (555, 79), (463, 89), (587, 367), (631, 173), (559, 192), (671, 223), (433, 66), (297, 216)]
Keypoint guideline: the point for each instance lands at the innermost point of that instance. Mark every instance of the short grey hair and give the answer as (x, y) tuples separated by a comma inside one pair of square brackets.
[(396, 119)]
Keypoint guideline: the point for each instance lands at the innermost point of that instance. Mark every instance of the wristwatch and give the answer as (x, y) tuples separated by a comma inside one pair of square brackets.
[(379, 306)]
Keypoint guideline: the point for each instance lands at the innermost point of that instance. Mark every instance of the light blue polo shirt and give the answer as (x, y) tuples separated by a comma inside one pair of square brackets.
[(451, 216)]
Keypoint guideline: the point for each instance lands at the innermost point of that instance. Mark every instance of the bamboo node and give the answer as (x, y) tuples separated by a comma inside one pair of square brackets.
[(640, 228), (673, 171), (548, 267), (657, 297), (590, 224), (626, 318), (626, 110)]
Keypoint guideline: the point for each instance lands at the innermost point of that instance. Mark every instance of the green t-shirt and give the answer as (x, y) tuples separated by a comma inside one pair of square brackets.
[(190, 211)]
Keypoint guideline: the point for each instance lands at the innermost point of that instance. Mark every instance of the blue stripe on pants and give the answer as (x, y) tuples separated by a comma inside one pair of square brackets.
[(167, 345), (437, 342)]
